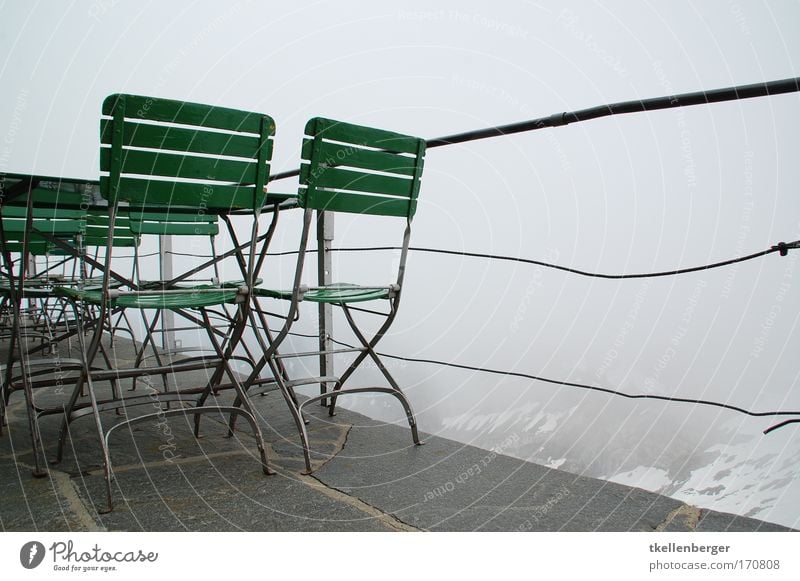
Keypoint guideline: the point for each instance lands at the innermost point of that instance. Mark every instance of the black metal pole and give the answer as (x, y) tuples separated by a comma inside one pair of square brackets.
[(683, 100), (654, 104)]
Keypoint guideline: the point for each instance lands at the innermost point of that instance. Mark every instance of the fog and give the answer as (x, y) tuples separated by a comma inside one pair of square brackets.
[(635, 193)]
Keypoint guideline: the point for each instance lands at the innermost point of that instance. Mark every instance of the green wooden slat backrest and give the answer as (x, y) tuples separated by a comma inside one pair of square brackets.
[(96, 233), (55, 221), (164, 152), (357, 169), (58, 210), (38, 245)]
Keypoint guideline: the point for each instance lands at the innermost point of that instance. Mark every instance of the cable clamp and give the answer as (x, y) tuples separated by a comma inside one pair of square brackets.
[(558, 119), (783, 248)]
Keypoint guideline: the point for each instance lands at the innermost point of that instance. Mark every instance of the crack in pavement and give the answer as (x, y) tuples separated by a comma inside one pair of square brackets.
[(64, 487), (389, 520)]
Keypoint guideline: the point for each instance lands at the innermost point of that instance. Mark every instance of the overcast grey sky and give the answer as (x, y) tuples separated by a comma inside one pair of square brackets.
[(633, 193)]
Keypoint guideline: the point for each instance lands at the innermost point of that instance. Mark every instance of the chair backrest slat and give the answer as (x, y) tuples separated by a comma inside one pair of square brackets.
[(174, 223), (170, 165), (359, 204), (181, 139), (357, 169), (184, 113), (331, 130), (335, 154), (185, 194), (357, 181)]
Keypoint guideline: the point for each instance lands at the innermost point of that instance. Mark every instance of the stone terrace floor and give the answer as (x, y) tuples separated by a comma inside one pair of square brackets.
[(368, 477)]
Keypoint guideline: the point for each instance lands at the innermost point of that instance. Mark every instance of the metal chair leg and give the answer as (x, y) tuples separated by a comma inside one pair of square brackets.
[(369, 350)]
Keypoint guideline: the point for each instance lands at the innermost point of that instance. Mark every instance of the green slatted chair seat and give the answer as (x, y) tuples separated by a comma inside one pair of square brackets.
[(33, 289), (167, 300), (339, 293), (31, 282)]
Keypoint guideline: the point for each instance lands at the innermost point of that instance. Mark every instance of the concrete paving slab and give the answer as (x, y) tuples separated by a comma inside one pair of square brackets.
[(445, 485)]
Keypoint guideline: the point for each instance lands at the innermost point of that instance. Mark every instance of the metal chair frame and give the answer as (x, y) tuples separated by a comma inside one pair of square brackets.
[(172, 153), (361, 170), (29, 230)]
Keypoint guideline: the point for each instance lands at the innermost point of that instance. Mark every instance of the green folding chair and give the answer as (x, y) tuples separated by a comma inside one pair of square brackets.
[(165, 153), (27, 231), (358, 170)]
